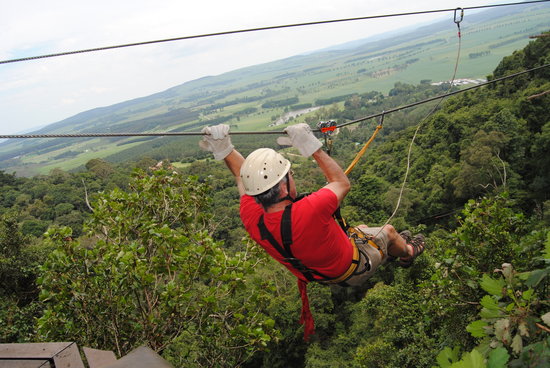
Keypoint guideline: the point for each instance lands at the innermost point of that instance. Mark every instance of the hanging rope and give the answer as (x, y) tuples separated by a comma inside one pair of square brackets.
[(457, 20), (409, 153)]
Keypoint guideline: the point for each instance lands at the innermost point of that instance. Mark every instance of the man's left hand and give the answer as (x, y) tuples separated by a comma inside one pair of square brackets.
[(216, 140)]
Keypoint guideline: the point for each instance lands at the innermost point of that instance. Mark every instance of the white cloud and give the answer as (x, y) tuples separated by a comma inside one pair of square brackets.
[(67, 101)]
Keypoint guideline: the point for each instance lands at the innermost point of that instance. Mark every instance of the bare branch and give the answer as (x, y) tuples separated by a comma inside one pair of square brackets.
[(86, 196), (538, 95)]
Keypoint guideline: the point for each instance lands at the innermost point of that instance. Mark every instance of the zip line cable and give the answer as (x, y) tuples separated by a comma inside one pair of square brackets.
[(162, 134), (224, 33)]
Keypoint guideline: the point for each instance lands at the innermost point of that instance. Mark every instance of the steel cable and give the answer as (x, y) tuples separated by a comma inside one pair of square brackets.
[(29, 58)]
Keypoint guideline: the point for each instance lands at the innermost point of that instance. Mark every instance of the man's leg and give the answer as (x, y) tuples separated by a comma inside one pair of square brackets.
[(397, 246)]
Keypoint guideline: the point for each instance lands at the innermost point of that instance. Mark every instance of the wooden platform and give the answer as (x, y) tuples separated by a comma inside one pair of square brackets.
[(67, 355)]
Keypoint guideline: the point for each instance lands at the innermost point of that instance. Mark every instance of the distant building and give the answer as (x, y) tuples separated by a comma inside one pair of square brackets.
[(461, 82)]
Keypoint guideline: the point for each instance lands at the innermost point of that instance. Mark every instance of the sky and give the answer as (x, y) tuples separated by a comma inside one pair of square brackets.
[(41, 92)]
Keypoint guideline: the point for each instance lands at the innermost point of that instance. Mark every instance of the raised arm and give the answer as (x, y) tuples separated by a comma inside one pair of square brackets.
[(216, 140), (234, 161), (338, 181), (301, 137)]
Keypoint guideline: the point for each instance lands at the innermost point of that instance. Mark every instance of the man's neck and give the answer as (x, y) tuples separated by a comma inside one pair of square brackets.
[(278, 206)]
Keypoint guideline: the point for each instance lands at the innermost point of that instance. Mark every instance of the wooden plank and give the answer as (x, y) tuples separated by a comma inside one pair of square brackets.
[(64, 354), (32, 350), (68, 358), (142, 357), (25, 364), (99, 358)]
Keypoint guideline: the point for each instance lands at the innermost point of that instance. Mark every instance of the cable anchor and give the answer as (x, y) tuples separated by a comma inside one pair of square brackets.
[(327, 128), (458, 19), (382, 118)]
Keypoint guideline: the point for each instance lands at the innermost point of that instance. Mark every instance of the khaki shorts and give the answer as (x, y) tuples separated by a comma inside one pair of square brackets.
[(370, 257)]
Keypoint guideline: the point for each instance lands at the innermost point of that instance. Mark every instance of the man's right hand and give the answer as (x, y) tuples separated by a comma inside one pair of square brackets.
[(302, 138), (216, 140)]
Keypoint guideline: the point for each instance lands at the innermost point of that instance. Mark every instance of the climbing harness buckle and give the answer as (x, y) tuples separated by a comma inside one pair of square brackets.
[(357, 235)]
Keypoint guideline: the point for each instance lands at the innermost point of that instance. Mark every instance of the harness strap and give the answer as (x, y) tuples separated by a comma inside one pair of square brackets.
[(341, 221), (286, 230), (286, 252), (287, 257), (355, 232)]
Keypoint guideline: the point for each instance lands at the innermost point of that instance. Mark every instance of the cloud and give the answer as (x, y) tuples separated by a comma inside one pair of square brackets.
[(67, 101)]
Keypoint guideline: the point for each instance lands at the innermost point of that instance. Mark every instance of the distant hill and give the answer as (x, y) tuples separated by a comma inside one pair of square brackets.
[(252, 98)]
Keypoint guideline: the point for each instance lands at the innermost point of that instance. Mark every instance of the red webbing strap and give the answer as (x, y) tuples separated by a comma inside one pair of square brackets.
[(306, 318)]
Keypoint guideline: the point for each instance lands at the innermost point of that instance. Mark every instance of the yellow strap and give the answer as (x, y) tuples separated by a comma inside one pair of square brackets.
[(367, 237), (374, 245), (352, 267), (360, 153)]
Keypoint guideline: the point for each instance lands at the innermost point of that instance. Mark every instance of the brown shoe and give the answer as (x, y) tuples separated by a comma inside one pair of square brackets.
[(418, 244)]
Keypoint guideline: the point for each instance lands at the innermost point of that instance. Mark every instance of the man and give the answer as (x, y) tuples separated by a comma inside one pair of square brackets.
[(302, 234)]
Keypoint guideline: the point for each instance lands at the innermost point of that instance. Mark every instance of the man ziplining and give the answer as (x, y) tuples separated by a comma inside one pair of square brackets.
[(302, 234)]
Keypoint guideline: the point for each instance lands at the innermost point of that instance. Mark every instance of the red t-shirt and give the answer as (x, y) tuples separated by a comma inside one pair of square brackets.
[(317, 239)]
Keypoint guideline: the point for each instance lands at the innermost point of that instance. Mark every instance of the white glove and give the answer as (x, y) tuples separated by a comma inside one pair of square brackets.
[(216, 140), (301, 137)]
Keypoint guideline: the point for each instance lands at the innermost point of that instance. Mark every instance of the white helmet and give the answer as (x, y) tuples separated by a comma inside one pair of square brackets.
[(262, 170)]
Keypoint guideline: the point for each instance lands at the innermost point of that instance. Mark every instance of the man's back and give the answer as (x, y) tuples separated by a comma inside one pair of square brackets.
[(318, 241)]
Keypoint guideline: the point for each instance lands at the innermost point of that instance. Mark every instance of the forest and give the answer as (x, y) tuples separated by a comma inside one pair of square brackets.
[(150, 250)]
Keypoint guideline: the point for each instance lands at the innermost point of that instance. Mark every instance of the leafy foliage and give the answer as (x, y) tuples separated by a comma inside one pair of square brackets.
[(150, 273), (19, 263)]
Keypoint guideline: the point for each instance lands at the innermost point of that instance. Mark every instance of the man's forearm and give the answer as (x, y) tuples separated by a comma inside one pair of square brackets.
[(234, 161), (333, 172), (337, 179)]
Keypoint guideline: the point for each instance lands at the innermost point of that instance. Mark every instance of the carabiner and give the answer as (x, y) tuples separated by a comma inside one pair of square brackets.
[(382, 118), (456, 20)]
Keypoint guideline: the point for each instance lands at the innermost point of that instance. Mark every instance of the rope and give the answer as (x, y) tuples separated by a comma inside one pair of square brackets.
[(409, 153), (364, 149), (160, 134), (104, 48)]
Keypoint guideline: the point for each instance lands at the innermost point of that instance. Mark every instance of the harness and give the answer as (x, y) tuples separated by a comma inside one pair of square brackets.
[(310, 274), (285, 250)]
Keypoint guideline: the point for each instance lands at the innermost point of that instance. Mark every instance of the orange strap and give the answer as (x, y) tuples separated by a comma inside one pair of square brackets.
[(360, 153)]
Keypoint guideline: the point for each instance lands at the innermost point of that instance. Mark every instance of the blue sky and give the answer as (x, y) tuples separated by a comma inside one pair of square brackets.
[(41, 92)]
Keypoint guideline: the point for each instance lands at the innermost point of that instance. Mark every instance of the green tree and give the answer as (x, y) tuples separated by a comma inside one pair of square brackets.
[(365, 203), (153, 275), (19, 264), (100, 168), (482, 166)]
